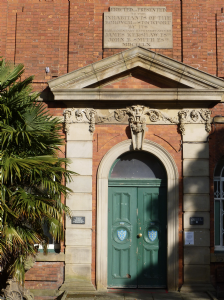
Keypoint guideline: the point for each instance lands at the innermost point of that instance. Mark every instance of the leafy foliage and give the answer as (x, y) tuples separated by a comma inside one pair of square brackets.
[(32, 176)]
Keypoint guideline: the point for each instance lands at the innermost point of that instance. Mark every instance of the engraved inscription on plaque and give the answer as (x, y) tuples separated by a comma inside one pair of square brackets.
[(78, 220), (138, 9), (149, 27), (196, 221)]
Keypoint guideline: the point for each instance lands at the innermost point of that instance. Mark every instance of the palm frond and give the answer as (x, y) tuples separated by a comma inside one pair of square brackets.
[(32, 177)]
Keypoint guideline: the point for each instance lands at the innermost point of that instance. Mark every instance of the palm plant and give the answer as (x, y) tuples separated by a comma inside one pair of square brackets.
[(32, 176)]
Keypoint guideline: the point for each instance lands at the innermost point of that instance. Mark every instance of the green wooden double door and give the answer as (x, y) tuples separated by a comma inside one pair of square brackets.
[(137, 236)]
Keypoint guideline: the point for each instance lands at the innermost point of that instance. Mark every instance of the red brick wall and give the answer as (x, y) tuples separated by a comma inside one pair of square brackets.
[(132, 82), (107, 136), (35, 33), (220, 44), (45, 275), (67, 35)]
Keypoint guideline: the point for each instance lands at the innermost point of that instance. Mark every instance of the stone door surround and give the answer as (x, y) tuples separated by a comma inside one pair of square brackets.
[(172, 210)]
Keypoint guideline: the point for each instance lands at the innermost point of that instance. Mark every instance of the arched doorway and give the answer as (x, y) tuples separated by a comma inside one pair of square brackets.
[(137, 222), (172, 210)]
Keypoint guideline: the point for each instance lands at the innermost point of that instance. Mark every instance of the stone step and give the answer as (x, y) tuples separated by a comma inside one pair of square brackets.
[(77, 286), (189, 288), (77, 289)]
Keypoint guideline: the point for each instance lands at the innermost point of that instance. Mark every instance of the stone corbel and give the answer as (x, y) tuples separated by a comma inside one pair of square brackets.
[(182, 114), (137, 124), (90, 115), (67, 118), (205, 114), (194, 116), (71, 117)]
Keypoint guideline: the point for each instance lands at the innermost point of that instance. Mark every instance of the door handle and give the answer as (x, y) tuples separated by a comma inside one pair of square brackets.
[(139, 235)]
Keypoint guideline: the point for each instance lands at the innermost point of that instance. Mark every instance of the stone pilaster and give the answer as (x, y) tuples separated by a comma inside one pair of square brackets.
[(78, 237), (196, 204)]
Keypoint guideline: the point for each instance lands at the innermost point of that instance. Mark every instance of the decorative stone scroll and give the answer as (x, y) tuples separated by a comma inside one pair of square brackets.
[(194, 116), (137, 116), (72, 116), (205, 114), (68, 118), (154, 115), (130, 26)]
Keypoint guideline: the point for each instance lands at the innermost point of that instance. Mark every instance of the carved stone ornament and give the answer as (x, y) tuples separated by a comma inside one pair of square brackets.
[(137, 121), (14, 291), (79, 115), (137, 124), (194, 115), (155, 115), (182, 114), (137, 116), (119, 114), (68, 118), (205, 114), (71, 117), (105, 119), (90, 115)]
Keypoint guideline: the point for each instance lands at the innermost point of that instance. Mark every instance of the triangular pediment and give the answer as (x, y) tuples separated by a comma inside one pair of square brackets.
[(137, 78), (160, 68)]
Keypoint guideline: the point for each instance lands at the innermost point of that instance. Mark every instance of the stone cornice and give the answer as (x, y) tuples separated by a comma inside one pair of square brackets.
[(130, 59), (154, 95)]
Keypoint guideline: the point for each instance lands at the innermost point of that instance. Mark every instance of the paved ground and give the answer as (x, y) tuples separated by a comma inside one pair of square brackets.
[(143, 295)]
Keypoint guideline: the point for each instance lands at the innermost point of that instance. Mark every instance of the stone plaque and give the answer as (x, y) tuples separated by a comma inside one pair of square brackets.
[(78, 220), (196, 221), (138, 9), (127, 27)]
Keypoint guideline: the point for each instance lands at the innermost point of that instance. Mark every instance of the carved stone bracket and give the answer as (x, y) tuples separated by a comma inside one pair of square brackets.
[(182, 114), (72, 116), (137, 121), (90, 115), (205, 114), (67, 118), (194, 116), (137, 124)]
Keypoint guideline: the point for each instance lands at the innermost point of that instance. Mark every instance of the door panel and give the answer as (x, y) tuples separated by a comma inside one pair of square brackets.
[(152, 246), (121, 207), (122, 243), (133, 259)]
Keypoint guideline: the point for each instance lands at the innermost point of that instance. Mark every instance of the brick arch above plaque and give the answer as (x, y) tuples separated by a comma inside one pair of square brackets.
[(130, 26)]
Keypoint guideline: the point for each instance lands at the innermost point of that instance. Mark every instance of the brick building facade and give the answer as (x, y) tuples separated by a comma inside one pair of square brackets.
[(104, 95)]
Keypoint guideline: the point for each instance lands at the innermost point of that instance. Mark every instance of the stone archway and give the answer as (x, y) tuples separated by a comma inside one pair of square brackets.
[(172, 210)]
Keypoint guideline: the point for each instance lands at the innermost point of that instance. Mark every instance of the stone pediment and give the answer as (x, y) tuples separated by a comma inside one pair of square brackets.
[(180, 82), (137, 57)]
